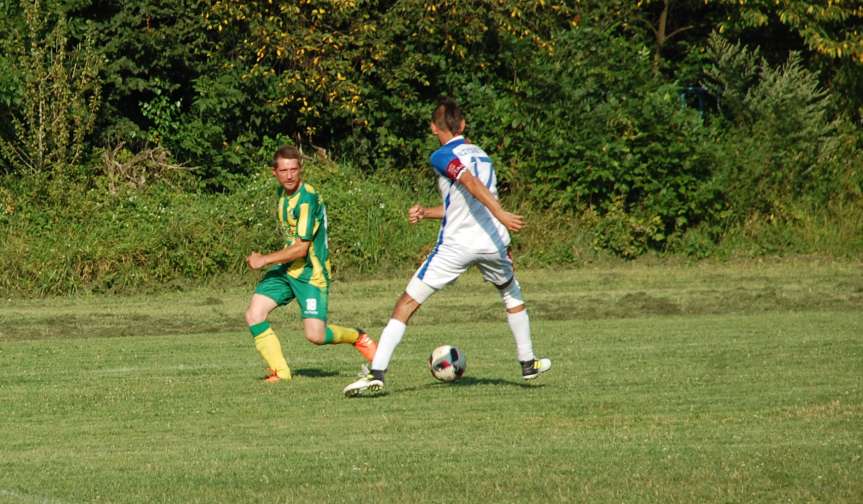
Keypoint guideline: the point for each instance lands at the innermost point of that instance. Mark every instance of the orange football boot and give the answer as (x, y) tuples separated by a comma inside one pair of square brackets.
[(365, 345), (273, 376)]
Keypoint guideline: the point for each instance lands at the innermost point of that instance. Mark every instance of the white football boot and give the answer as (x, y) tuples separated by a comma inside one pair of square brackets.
[(367, 385)]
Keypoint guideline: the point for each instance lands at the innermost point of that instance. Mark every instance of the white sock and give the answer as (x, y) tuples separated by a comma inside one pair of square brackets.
[(390, 339), (519, 323)]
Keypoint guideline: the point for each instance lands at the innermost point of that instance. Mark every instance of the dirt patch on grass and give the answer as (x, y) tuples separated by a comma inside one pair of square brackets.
[(111, 325), (553, 296), (646, 304)]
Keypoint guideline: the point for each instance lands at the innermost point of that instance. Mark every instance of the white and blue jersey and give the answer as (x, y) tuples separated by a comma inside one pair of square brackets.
[(466, 221), (469, 234)]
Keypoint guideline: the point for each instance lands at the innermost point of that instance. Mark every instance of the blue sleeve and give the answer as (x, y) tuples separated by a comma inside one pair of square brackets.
[(446, 164)]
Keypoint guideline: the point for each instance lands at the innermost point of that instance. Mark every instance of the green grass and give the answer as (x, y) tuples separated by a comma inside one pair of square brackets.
[(720, 383)]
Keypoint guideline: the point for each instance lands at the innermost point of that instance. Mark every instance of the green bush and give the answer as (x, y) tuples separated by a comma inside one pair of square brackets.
[(62, 239), (590, 127), (782, 145), (58, 96)]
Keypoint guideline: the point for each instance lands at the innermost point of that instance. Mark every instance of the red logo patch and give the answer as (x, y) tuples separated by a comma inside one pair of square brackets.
[(454, 168)]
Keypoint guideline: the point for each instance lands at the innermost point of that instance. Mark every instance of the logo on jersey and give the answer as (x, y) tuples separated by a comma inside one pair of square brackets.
[(312, 306), (454, 168)]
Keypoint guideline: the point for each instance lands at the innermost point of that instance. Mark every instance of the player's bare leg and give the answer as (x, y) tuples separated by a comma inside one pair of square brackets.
[(266, 341), (391, 336), (320, 332)]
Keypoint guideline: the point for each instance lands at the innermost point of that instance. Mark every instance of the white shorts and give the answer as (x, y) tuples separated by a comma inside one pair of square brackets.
[(447, 262)]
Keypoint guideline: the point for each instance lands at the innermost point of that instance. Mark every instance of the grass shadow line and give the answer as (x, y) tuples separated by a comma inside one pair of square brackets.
[(470, 381), (314, 373)]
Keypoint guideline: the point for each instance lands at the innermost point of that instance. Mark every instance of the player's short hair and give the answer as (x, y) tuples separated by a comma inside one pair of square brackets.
[(447, 115), (287, 152)]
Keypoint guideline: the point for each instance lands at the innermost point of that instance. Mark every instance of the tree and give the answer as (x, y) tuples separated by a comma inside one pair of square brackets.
[(833, 29), (337, 69), (59, 99), (151, 48), (828, 34)]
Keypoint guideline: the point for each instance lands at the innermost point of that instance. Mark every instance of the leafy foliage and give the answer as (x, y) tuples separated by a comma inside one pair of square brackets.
[(365, 72), (591, 128), (829, 28), (149, 47), (829, 34), (59, 98), (139, 226), (621, 122), (784, 143), (166, 87)]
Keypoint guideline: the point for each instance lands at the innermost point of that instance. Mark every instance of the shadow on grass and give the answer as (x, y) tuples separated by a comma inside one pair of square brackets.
[(314, 373), (378, 395), (464, 382), (307, 373), (470, 381)]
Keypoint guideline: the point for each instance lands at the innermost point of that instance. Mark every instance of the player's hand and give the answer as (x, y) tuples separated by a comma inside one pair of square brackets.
[(416, 213), (256, 261), (512, 221)]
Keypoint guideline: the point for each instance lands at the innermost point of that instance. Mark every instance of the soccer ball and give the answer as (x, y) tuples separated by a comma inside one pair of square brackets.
[(447, 363)]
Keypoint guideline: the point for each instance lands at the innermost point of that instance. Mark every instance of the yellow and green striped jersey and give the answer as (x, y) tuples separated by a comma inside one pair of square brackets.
[(302, 215)]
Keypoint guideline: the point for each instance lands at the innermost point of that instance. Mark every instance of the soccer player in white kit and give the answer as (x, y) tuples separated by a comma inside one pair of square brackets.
[(473, 231)]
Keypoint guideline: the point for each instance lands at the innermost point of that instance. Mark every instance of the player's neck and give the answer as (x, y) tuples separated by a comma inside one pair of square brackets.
[(292, 191), (445, 137)]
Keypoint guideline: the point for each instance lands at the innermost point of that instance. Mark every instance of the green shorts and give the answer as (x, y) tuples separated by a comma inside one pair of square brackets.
[(282, 288)]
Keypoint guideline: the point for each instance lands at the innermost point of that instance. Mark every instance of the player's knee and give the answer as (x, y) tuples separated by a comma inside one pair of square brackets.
[(254, 316), (517, 309), (315, 338), (405, 307), (510, 293), (315, 330)]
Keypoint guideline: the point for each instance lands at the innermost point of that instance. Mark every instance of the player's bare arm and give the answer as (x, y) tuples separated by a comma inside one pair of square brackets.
[(419, 212), (512, 221), (298, 249)]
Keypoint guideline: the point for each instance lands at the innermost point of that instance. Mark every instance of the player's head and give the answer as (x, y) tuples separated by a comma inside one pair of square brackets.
[(288, 167), (447, 118)]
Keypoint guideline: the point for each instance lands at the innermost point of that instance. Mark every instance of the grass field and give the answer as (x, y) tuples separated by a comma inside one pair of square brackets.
[(706, 383)]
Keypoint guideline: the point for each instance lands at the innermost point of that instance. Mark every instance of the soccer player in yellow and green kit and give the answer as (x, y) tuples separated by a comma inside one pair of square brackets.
[(300, 270)]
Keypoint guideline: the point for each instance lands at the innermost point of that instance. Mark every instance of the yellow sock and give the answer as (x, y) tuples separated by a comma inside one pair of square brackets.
[(267, 344), (337, 334)]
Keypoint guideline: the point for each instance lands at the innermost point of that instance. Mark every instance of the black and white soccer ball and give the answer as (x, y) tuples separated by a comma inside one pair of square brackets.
[(447, 363)]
